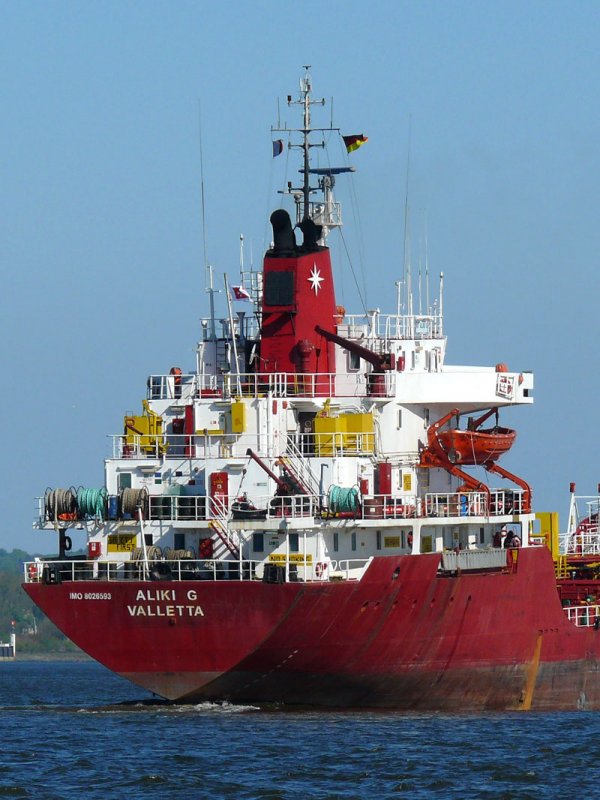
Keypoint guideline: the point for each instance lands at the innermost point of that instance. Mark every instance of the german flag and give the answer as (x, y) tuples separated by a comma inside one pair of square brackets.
[(354, 142)]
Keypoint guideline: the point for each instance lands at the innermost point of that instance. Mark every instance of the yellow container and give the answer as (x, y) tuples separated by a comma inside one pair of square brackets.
[(238, 417), (361, 436), (329, 434)]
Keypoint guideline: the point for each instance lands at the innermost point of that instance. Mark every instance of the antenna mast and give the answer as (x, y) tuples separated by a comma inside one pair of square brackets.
[(328, 213), (208, 269)]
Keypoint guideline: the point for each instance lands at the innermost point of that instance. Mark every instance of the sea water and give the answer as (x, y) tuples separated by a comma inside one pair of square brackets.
[(74, 730)]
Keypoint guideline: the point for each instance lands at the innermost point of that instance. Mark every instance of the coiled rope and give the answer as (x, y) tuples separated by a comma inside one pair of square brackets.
[(92, 502), (342, 499), (132, 499), (60, 504)]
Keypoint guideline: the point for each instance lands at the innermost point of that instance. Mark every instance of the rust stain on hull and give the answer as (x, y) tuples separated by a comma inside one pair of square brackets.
[(532, 673)]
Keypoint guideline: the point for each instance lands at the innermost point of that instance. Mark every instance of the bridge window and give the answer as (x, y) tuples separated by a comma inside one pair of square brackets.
[(258, 542)]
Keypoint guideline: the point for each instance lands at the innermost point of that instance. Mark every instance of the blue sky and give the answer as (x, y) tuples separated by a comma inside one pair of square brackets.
[(102, 249)]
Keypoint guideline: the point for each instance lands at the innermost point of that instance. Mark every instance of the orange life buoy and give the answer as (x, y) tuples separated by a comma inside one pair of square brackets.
[(320, 569), (32, 572)]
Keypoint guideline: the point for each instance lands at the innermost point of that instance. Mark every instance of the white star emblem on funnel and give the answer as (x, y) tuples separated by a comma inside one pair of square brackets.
[(315, 279)]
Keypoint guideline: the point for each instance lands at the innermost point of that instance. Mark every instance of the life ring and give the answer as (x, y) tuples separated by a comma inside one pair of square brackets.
[(32, 572), (320, 569)]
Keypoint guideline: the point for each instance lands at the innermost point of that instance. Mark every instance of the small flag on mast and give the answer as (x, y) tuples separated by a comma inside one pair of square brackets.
[(354, 142), (239, 293), (277, 147)]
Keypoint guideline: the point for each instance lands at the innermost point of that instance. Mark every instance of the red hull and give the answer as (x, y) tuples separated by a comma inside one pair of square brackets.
[(418, 641)]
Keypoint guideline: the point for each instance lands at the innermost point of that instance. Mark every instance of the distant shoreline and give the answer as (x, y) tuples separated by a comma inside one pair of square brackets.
[(52, 657)]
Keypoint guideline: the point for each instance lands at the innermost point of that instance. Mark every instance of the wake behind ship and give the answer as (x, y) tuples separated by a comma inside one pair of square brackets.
[(299, 520)]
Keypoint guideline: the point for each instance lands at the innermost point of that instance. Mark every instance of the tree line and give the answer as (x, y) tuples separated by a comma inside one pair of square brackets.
[(35, 633)]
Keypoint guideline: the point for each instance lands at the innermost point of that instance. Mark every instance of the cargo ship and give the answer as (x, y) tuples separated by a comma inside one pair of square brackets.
[(302, 518)]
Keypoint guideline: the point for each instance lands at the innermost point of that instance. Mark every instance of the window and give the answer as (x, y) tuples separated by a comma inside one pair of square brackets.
[(336, 542), (399, 422), (378, 539), (294, 543), (148, 539), (353, 540), (179, 541), (353, 362), (124, 480), (258, 542), (279, 288)]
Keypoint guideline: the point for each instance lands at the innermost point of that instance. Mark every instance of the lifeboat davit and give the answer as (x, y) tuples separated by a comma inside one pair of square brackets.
[(476, 446)]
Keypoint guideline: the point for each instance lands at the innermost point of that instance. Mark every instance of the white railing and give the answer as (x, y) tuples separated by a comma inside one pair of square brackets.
[(293, 569), (252, 384), (350, 569), (474, 504), (584, 616), (391, 326), (585, 542), (224, 444), (198, 508), (299, 468)]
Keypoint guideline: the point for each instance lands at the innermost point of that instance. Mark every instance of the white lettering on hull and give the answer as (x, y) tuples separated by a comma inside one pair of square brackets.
[(152, 603), (165, 611)]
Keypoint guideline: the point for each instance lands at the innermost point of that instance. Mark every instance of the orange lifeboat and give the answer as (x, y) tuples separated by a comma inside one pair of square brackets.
[(476, 446)]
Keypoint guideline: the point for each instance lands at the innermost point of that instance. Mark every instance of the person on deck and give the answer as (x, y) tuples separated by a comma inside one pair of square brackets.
[(499, 535), (508, 539)]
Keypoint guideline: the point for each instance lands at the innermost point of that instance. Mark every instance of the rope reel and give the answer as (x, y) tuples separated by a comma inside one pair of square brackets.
[(132, 499), (343, 500), (61, 504), (92, 503)]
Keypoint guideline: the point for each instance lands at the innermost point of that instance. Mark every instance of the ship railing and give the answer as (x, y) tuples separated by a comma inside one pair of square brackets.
[(456, 504), (584, 542), (350, 568), (474, 504), (245, 326), (587, 616), (330, 444), (328, 214), (173, 386), (254, 384), (177, 507), (384, 327), (279, 569), (206, 443)]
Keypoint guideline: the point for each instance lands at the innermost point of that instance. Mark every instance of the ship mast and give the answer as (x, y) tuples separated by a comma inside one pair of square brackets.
[(328, 212)]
